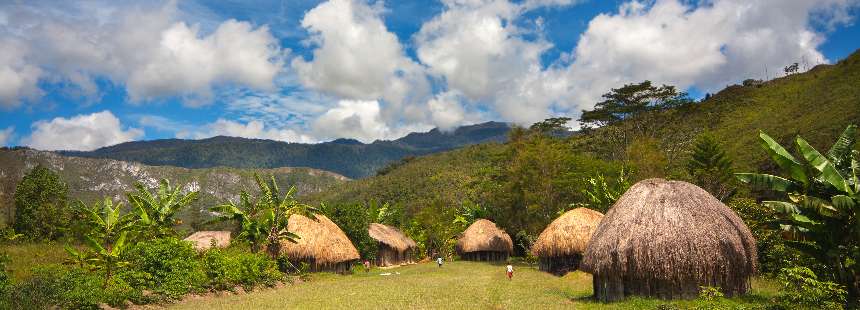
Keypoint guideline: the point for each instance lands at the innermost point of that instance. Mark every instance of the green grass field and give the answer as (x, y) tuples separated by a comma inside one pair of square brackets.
[(457, 285)]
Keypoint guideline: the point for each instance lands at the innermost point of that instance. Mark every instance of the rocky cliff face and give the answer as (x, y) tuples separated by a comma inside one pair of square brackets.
[(90, 179)]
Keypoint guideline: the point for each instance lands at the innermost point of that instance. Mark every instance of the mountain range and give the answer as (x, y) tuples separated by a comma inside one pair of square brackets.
[(347, 157)]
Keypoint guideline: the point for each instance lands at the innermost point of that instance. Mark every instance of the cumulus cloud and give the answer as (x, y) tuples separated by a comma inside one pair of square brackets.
[(707, 47), (6, 135), (359, 120), (145, 48), (80, 133), (251, 130)]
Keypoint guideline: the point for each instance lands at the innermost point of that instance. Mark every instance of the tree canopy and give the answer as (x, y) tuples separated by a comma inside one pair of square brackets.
[(631, 100), (41, 210)]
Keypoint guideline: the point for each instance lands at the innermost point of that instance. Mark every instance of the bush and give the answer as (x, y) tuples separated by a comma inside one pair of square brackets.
[(68, 288), (225, 269), (710, 293), (801, 287), (168, 267)]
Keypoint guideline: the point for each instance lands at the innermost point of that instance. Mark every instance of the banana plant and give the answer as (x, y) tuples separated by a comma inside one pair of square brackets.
[(264, 222), (822, 200), (106, 239), (156, 213)]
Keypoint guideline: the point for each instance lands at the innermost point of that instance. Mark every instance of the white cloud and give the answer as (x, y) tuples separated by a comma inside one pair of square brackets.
[(145, 48), (251, 130), (17, 78), (81, 133), (360, 120), (446, 111), (6, 135)]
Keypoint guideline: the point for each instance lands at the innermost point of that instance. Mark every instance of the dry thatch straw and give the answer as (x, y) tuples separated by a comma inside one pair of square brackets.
[(202, 240), (561, 244), (484, 241), (391, 236), (666, 239), (323, 245)]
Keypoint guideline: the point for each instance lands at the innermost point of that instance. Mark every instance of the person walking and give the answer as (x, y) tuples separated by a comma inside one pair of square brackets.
[(439, 261), (510, 270)]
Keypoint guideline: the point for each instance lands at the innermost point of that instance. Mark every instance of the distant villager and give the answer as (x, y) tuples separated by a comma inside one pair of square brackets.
[(203, 240), (395, 247), (483, 241), (322, 245), (666, 239), (560, 246)]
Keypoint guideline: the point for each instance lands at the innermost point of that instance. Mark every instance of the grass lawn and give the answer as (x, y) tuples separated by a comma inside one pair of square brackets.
[(457, 285), (25, 256)]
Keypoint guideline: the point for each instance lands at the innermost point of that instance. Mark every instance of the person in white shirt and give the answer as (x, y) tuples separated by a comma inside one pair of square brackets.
[(439, 261), (510, 271)]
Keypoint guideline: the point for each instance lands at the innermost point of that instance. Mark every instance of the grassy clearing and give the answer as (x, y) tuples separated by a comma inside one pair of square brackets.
[(457, 285), (26, 256)]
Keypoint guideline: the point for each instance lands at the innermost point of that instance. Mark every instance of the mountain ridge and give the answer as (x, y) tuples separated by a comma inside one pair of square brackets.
[(348, 157)]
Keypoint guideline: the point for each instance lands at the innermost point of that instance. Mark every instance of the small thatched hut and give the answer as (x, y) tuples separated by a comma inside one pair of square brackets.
[(322, 244), (202, 240), (395, 247), (560, 246), (665, 239), (483, 241)]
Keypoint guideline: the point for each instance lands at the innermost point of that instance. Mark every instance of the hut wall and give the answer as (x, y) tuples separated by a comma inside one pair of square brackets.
[(485, 256), (610, 288), (560, 265), (341, 267), (388, 256)]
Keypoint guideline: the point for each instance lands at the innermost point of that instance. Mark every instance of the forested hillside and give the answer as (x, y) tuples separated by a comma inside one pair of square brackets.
[(90, 179), (527, 182), (344, 156)]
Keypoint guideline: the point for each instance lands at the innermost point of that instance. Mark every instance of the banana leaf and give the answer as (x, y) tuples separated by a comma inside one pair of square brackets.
[(767, 181), (783, 159)]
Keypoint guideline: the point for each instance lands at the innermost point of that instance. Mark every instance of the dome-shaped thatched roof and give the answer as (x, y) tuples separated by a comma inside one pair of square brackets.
[(202, 240), (321, 240), (391, 236), (484, 236), (568, 234), (666, 239)]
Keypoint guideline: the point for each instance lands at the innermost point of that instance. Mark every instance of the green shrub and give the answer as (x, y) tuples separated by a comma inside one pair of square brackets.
[(167, 267), (225, 269), (710, 293), (68, 288), (801, 287)]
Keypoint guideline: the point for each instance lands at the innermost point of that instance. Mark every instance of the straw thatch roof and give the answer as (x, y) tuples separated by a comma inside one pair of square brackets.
[(568, 234), (666, 239), (321, 241), (484, 236), (391, 236), (202, 240)]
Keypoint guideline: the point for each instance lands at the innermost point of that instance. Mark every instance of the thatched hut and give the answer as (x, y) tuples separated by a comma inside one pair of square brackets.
[(483, 241), (394, 247), (665, 239), (203, 240), (322, 245), (560, 246)]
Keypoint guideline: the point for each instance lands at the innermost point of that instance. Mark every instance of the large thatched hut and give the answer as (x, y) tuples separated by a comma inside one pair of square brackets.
[(665, 239), (483, 241), (394, 247), (322, 245), (203, 240), (560, 246)]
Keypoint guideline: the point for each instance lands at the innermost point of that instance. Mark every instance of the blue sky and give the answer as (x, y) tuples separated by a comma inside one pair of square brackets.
[(89, 74)]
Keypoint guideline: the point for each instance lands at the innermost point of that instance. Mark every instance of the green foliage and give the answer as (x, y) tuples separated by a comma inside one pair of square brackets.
[(41, 211), (710, 293), (630, 101), (106, 239), (226, 269), (601, 194), (551, 125), (801, 288), (5, 277), (157, 213), (821, 202), (166, 266), (648, 158), (264, 221), (710, 167), (68, 288), (354, 219), (773, 253)]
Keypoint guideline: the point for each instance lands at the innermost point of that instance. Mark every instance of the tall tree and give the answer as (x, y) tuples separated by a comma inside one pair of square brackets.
[(41, 210), (631, 100), (710, 167)]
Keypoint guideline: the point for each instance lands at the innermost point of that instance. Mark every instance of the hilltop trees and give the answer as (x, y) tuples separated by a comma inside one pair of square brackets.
[(41, 210), (630, 101)]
